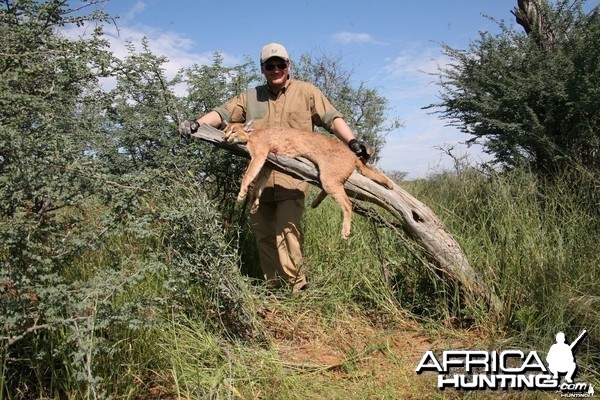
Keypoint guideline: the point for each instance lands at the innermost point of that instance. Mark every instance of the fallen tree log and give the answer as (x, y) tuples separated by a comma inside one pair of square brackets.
[(415, 218)]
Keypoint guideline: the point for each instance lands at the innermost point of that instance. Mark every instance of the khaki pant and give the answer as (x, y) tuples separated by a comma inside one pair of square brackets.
[(280, 241)]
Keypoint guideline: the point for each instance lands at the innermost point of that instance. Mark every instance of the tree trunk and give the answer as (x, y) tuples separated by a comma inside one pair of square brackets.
[(530, 15), (414, 217)]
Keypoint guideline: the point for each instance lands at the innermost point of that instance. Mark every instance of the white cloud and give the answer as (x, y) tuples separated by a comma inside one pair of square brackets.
[(137, 8), (418, 149), (176, 47), (411, 74), (426, 60), (408, 85), (179, 49), (350, 37)]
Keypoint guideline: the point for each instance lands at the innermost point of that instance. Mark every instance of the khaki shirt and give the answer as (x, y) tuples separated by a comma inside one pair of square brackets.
[(298, 105)]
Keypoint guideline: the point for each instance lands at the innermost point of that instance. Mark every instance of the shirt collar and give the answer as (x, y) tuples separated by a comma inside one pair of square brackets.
[(283, 89)]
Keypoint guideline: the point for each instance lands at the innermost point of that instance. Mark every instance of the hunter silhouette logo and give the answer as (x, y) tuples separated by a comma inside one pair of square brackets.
[(509, 369), (560, 356)]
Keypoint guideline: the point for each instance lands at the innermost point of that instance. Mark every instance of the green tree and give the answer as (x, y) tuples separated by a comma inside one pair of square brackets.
[(84, 171), (193, 182), (531, 98), (47, 174), (139, 114), (45, 82), (208, 86)]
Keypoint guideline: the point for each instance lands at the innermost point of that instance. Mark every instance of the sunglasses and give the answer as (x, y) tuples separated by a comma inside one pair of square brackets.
[(271, 67)]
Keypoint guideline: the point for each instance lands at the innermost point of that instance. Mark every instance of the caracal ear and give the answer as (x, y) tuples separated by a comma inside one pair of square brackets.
[(248, 126)]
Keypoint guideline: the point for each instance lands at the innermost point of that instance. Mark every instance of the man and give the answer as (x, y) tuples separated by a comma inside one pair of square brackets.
[(560, 357), (284, 102)]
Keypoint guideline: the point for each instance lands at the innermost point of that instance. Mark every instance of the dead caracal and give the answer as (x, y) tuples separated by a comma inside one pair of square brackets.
[(334, 160)]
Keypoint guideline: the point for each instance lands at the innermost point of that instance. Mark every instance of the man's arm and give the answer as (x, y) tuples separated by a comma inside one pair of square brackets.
[(340, 128), (211, 118), (234, 110)]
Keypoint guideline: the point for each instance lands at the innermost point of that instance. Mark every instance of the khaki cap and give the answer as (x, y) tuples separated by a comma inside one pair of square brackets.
[(273, 50)]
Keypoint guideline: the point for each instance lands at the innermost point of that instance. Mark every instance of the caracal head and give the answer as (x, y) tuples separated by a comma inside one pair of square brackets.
[(237, 132)]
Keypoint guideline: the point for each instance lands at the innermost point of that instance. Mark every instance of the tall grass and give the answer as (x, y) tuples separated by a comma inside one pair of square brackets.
[(534, 243)]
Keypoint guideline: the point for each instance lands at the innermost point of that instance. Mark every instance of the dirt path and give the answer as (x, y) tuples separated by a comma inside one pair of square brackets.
[(353, 358)]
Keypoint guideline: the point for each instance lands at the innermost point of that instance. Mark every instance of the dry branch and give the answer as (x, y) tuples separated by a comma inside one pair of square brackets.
[(416, 219)]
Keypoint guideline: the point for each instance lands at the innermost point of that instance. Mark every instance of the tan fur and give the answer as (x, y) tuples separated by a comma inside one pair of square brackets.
[(334, 160)]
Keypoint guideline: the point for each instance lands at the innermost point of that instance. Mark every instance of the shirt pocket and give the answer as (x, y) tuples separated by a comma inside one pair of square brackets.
[(300, 120)]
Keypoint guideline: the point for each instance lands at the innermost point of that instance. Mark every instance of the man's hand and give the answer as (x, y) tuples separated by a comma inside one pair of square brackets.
[(186, 128), (361, 149)]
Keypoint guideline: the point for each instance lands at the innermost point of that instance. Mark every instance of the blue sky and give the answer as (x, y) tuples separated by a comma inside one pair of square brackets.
[(386, 43)]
